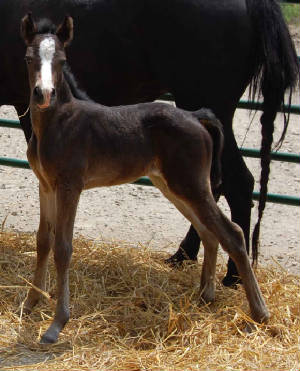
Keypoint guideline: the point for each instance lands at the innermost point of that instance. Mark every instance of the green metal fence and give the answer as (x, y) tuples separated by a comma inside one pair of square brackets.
[(247, 152)]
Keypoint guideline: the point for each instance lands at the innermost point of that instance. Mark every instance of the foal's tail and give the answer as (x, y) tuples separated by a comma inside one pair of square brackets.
[(276, 69), (214, 127)]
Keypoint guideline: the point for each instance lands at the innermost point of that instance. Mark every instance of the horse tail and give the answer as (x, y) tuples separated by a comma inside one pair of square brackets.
[(276, 69), (215, 130)]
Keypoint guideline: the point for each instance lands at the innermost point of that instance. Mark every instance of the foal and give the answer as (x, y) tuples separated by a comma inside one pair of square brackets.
[(77, 145)]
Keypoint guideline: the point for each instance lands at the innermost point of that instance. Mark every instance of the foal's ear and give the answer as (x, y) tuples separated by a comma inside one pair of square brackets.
[(64, 32), (28, 29)]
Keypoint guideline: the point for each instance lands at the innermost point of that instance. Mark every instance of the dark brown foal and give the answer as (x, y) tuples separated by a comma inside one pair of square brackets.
[(77, 145)]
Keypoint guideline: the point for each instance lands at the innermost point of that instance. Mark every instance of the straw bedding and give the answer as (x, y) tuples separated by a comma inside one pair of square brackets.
[(129, 311)]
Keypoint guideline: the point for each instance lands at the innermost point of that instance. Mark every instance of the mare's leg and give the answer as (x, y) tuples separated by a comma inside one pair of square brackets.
[(237, 186), (45, 239), (66, 205), (202, 210), (188, 248)]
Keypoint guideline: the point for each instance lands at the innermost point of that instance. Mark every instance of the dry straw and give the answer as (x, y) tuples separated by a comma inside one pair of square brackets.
[(131, 312)]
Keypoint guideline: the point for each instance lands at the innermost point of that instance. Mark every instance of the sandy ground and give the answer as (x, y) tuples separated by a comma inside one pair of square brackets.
[(141, 215)]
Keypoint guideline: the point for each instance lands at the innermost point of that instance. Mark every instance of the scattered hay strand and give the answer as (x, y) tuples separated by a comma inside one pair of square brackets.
[(131, 312)]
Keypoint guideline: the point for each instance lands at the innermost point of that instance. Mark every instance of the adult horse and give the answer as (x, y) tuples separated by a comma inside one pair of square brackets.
[(205, 52)]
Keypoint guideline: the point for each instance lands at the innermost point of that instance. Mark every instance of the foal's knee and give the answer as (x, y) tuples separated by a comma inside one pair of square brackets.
[(45, 234), (62, 254)]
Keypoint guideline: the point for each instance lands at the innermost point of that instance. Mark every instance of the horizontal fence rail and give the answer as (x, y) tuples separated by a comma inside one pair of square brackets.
[(257, 106), (247, 104), (246, 152), (13, 124), (275, 198), (275, 156), (271, 197), (13, 162)]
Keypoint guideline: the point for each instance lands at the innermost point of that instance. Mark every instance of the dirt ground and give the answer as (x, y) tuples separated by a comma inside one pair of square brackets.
[(141, 215)]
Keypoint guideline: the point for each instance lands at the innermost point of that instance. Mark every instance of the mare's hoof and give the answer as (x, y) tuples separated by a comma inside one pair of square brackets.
[(176, 260), (231, 281)]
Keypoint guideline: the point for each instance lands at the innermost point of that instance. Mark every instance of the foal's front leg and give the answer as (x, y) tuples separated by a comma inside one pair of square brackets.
[(45, 239), (66, 204)]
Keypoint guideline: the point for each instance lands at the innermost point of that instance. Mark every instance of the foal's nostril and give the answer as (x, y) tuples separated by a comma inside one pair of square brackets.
[(37, 92)]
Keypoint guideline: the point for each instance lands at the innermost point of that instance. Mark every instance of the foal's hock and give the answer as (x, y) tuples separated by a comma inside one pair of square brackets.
[(77, 145)]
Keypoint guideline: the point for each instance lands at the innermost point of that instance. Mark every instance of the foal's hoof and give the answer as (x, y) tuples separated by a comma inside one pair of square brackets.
[(49, 337), (249, 328), (48, 340), (208, 297), (176, 260), (261, 316), (231, 281), (23, 311), (27, 311)]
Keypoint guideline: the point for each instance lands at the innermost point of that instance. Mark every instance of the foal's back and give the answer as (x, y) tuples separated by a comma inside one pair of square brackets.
[(115, 145)]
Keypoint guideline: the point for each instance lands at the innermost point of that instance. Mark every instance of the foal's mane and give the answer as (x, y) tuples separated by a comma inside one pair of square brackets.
[(45, 26), (73, 85)]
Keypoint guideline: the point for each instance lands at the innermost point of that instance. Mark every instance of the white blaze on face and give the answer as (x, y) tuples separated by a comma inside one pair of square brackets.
[(46, 51)]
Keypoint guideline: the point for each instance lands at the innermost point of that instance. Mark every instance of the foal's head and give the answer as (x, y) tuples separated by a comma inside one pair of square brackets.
[(45, 57)]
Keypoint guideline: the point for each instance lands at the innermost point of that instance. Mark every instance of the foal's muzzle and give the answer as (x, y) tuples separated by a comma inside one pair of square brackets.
[(43, 98)]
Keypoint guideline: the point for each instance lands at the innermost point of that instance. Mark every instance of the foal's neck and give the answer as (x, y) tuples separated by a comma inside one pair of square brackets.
[(41, 119), (64, 94)]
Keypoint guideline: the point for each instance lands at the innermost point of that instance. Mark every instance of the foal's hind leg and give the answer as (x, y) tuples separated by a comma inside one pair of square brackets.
[(207, 287), (203, 212), (45, 239), (238, 184), (232, 240), (189, 246)]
